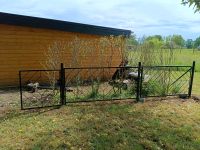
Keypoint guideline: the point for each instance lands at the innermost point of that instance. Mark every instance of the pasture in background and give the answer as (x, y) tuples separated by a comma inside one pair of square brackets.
[(156, 56)]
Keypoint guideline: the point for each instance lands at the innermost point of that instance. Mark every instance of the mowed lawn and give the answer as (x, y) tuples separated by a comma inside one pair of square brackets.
[(166, 124), (186, 57)]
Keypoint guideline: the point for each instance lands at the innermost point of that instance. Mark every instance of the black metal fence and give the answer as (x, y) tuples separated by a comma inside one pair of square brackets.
[(38, 88), (44, 88)]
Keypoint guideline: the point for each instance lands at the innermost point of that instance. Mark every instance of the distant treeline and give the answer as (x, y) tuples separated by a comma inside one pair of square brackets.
[(171, 41)]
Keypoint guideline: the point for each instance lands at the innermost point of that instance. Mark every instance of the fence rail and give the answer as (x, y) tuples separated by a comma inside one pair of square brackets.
[(44, 88)]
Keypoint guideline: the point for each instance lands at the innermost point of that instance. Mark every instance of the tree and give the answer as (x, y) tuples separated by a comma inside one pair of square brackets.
[(189, 43), (132, 40), (178, 41), (159, 37), (195, 3), (154, 42), (168, 43), (197, 42)]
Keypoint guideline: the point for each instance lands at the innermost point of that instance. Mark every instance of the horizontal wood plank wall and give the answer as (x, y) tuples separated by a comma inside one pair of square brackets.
[(23, 48)]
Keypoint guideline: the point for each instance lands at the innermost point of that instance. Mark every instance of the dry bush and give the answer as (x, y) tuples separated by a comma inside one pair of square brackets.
[(54, 55), (96, 52), (150, 56)]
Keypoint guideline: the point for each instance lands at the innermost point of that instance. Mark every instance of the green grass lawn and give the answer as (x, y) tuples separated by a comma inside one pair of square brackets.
[(168, 124), (196, 85), (186, 57)]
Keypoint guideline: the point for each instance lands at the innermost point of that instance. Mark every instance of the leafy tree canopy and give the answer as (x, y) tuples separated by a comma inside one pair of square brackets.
[(132, 40), (178, 40), (159, 37), (195, 3), (197, 43), (154, 42), (189, 43)]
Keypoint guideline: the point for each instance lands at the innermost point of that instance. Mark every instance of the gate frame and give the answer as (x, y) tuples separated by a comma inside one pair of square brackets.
[(140, 69)]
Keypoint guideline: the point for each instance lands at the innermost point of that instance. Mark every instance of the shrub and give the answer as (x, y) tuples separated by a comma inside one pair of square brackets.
[(154, 88)]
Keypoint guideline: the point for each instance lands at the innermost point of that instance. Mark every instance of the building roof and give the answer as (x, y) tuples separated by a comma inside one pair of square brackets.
[(35, 22)]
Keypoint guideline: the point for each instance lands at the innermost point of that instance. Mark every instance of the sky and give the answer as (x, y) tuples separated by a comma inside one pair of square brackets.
[(143, 17)]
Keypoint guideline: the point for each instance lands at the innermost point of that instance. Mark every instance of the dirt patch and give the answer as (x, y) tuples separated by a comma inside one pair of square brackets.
[(196, 98), (9, 99)]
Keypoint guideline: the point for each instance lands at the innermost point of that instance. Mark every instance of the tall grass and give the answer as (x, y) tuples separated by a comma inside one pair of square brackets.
[(150, 55)]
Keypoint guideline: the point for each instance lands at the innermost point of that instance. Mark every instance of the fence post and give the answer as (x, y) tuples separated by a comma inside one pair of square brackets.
[(141, 77), (62, 85), (138, 82), (20, 88), (191, 79)]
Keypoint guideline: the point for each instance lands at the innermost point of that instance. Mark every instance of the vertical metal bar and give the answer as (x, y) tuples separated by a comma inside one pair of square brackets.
[(64, 89), (20, 88), (62, 94), (60, 80), (141, 80), (138, 82), (191, 79)]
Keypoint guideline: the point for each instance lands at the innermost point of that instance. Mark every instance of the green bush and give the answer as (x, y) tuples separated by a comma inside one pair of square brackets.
[(95, 91), (175, 89), (154, 88)]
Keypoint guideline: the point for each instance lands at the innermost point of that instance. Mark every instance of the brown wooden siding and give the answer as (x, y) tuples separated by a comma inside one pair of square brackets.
[(23, 47)]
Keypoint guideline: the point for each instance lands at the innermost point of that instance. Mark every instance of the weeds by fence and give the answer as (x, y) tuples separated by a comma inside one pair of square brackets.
[(102, 83)]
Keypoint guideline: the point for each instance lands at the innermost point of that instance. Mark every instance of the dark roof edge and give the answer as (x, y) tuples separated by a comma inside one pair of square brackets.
[(36, 22)]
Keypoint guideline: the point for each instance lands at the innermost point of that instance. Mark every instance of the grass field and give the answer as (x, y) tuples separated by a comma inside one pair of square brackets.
[(186, 57), (167, 124), (181, 57)]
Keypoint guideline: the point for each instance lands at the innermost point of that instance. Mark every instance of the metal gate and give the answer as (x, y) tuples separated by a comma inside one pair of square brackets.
[(39, 88), (47, 88), (166, 81), (100, 83)]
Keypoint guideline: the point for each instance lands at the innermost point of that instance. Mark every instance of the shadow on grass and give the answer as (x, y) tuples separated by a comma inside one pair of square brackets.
[(100, 102), (10, 114), (14, 113)]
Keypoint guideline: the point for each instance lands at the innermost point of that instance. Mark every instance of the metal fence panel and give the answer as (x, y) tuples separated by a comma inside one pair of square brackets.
[(165, 80), (39, 88), (44, 88), (108, 83)]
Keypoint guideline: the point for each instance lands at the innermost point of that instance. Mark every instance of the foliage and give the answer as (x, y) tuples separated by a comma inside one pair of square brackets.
[(95, 90), (189, 44), (132, 40), (155, 88), (197, 42), (154, 42), (151, 53), (149, 88), (159, 37), (176, 89), (195, 3), (54, 55), (102, 49), (178, 41)]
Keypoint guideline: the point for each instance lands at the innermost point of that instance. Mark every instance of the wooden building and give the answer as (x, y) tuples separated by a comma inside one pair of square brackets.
[(23, 40)]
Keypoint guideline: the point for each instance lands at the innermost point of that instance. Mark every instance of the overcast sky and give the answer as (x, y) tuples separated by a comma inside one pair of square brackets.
[(143, 17)]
